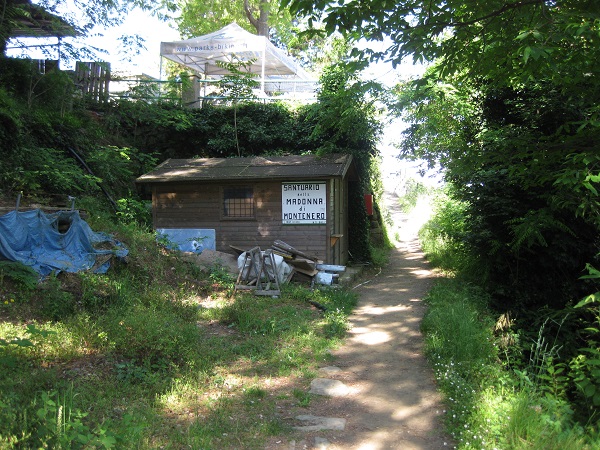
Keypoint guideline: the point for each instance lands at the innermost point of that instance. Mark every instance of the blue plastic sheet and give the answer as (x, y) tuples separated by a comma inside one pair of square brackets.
[(34, 239)]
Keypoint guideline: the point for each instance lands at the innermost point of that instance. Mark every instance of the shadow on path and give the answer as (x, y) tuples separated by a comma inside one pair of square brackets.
[(383, 362)]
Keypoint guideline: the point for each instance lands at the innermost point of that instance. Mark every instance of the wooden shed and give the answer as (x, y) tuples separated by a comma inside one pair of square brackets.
[(248, 202)]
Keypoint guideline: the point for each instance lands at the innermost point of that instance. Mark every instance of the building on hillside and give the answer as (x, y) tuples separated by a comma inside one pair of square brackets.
[(248, 202)]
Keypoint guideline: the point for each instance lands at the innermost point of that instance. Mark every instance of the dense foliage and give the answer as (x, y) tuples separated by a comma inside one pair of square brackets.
[(509, 111), (52, 144), (520, 376), (526, 174), (508, 42), (257, 16)]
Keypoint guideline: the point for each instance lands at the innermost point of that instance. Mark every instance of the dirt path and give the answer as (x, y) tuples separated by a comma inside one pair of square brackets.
[(392, 402)]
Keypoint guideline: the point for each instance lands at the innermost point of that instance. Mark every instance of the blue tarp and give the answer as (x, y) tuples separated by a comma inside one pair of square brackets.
[(33, 238)]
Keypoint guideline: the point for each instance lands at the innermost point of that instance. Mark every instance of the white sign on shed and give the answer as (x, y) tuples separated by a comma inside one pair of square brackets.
[(304, 203)]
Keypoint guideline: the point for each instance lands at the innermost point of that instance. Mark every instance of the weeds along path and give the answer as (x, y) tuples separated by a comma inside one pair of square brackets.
[(391, 400)]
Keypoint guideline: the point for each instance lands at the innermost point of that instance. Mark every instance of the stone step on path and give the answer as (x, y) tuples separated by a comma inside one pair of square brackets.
[(317, 423), (330, 388), (319, 444)]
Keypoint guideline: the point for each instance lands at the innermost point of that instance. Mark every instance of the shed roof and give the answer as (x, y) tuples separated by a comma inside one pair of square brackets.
[(35, 21), (254, 168)]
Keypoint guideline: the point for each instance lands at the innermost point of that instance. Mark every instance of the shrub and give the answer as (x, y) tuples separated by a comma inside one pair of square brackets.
[(171, 340), (23, 276), (444, 236)]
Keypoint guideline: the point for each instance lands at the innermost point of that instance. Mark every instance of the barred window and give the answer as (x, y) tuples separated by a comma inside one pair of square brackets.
[(238, 202)]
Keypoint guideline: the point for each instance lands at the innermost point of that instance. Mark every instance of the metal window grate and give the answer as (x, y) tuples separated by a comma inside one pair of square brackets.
[(238, 202)]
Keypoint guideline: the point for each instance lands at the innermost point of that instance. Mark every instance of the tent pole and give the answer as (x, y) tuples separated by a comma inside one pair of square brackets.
[(205, 78), (160, 75), (262, 69)]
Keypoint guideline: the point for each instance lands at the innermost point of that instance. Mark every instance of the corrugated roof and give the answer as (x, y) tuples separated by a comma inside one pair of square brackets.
[(254, 168)]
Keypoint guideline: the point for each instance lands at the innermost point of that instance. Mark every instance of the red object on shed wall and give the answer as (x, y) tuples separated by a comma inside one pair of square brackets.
[(369, 204)]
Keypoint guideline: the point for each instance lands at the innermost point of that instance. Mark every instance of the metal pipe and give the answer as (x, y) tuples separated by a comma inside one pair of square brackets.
[(19, 195)]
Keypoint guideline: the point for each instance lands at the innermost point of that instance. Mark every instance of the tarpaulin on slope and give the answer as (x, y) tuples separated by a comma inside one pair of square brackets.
[(34, 239)]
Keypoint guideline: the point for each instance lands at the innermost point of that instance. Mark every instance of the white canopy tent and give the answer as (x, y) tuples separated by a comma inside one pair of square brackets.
[(269, 62)]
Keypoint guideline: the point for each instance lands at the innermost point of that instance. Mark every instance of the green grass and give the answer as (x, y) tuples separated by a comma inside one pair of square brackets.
[(489, 405), (156, 354), (443, 236), (496, 397)]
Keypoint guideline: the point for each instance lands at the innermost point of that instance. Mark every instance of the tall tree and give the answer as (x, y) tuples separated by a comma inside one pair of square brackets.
[(511, 41), (258, 16), (199, 17)]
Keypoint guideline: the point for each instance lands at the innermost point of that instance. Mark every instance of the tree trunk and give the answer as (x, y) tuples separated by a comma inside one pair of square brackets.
[(260, 22)]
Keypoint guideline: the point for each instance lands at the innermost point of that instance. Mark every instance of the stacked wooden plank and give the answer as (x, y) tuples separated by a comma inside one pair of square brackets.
[(301, 262), (257, 274)]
